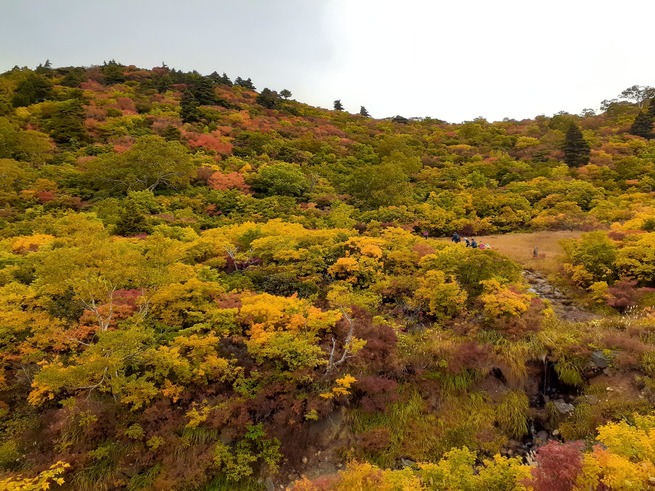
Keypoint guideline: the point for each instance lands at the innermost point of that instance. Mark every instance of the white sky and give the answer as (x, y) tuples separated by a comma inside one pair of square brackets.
[(452, 60)]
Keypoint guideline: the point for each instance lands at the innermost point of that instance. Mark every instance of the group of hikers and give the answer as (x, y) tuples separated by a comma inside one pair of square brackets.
[(469, 242)]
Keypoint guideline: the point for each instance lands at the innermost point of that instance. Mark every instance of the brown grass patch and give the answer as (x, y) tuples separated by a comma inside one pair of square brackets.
[(520, 248)]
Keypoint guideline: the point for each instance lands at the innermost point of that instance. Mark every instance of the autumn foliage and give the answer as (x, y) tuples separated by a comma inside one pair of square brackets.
[(203, 286)]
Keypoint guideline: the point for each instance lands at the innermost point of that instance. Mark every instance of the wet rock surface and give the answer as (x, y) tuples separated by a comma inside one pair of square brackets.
[(563, 306), (564, 408)]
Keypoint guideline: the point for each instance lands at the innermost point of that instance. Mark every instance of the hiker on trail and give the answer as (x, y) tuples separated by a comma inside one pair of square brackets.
[(482, 246), (455, 238), (474, 244), (468, 242)]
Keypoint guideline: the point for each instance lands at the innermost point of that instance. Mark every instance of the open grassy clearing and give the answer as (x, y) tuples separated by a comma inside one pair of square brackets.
[(520, 248)]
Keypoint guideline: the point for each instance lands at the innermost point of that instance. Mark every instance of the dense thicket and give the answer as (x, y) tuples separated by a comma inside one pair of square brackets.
[(196, 278)]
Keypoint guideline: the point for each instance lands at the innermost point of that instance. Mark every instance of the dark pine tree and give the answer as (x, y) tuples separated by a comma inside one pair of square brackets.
[(244, 83), (364, 112), (73, 76), (34, 88), (131, 221), (576, 149), (202, 89), (162, 81), (67, 125), (44, 69), (337, 105), (642, 126), (268, 98), (189, 108), (220, 79), (113, 72), (651, 109)]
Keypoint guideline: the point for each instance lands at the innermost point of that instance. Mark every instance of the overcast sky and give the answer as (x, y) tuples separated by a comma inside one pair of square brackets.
[(452, 60)]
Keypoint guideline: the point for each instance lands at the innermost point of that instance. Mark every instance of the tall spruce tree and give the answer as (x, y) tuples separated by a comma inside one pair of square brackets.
[(576, 149), (337, 105), (189, 108), (202, 89), (643, 125), (651, 109)]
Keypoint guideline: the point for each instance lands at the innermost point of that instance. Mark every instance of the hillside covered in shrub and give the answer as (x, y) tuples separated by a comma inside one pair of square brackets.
[(207, 286)]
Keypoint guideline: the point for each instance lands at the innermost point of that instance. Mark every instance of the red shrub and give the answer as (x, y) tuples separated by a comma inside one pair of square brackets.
[(469, 355), (558, 466), (625, 293), (126, 105), (377, 392), (210, 141), (223, 182), (373, 441), (45, 196)]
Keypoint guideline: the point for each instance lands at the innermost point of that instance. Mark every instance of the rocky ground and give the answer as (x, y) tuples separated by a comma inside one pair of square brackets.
[(563, 306)]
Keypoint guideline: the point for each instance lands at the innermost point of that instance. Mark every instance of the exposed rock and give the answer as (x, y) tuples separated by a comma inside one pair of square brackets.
[(268, 483), (600, 359), (563, 407), (513, 447), (563, 306), (542, 435)]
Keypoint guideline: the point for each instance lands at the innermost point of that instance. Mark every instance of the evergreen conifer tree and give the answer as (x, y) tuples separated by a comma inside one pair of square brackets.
[(364, 112), (113, 72), (643, 125), (651, 109), (202, 89), (268, 98), (576, 149), (189, 108), (337, 105), (244, 83), (32, 89), (131, 221)]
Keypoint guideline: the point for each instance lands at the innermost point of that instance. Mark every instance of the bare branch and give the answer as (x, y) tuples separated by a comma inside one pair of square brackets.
[(94, 386), (77, 341), (347, 345)]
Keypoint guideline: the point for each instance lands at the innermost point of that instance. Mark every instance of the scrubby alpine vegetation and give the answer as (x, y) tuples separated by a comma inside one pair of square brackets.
[(203, 286)]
